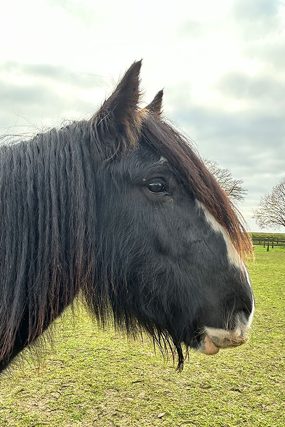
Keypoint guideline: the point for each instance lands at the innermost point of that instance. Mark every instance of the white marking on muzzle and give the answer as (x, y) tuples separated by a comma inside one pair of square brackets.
[(215, 339)]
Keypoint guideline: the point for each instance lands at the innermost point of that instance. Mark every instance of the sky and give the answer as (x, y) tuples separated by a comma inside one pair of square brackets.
[(221, 64)]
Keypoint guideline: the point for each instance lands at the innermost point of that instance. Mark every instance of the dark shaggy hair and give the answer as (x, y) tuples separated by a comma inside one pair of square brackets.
[(48, 229)]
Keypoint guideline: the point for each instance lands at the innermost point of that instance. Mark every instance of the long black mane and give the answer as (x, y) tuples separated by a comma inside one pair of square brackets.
[(51, 191), (48, 188)]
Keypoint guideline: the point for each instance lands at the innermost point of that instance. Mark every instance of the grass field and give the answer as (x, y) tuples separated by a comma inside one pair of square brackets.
[(268, 235), (96, 378), (269, 239)]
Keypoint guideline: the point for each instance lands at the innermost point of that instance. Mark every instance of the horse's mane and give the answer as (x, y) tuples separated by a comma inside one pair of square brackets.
[(47, 224)]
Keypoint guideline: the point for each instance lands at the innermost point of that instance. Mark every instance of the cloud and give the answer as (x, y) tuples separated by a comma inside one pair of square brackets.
[(26, 94), (31, 107), (256, 19), (191, 28), (255, 10), (54, 73), (270, 53), (254, 88), (45, 94), (212, 123), (77, 10)]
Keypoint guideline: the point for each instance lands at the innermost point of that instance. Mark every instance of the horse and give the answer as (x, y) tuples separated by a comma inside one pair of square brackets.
[(121, 210)]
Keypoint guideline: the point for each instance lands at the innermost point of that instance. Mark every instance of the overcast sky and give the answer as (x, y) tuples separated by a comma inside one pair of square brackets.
[(221, 64)]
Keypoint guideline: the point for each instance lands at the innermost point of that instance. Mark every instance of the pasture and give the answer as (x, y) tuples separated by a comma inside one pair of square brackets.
[(269, 240), (90, 377)]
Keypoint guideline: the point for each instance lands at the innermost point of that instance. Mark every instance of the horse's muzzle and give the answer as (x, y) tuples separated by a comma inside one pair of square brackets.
[(214, 339)]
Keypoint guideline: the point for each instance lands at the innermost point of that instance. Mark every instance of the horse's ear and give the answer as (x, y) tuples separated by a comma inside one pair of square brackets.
[(116, 126), (156, 104)]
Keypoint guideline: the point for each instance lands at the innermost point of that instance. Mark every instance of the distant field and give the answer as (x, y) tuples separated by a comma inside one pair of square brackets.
[(268, 235), (96, 378), (269, 240)]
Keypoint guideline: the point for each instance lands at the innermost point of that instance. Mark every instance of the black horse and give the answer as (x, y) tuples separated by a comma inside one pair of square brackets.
[(121, 209)]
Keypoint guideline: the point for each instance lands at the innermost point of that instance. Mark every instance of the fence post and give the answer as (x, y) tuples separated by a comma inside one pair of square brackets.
[(268, 245)]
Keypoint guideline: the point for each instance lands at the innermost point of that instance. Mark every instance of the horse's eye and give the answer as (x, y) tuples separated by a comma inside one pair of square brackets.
[(156, 187)]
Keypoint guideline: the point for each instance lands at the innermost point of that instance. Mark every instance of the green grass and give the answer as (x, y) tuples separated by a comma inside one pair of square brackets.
[(260, 235), (90, 377)]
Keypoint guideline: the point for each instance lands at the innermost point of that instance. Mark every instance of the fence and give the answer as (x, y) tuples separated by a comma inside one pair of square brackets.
[(268, 242)]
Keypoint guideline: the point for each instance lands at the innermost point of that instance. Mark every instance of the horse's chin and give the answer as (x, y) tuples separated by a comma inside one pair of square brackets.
[(207, 346)]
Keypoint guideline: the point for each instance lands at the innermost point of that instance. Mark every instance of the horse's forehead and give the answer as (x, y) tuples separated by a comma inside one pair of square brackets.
[(146, 153)]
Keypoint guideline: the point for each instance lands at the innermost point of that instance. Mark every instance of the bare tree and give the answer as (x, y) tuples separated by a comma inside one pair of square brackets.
[(233, 187), (271, 210)]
